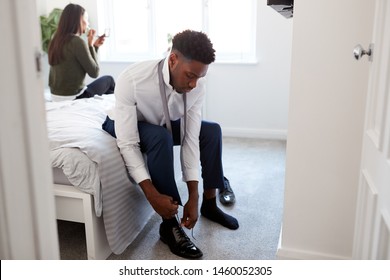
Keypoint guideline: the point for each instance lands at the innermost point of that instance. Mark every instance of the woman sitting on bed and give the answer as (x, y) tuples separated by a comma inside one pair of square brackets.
[(71, 58)]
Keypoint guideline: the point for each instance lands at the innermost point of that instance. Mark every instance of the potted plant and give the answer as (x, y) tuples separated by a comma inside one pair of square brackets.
[(49, 26)]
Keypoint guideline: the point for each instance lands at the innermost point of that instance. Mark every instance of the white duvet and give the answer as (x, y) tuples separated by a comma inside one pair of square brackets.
[(77, 124)]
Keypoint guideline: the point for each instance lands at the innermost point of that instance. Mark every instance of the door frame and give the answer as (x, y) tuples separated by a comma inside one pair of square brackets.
[(28, 228)]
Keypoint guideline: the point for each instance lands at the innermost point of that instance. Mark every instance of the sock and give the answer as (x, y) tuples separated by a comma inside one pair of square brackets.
[(211, 211)]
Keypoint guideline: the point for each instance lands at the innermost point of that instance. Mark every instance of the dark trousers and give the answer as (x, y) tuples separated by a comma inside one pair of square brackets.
[(100, 86), (157, 143)]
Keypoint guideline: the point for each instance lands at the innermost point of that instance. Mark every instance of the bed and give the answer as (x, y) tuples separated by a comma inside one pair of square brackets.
[(91, 183)]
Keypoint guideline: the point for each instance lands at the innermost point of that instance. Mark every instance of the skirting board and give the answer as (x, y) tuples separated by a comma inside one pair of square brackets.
[(255, 133), (293, 254)]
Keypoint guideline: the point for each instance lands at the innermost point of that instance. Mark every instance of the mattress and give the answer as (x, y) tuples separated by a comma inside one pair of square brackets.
[(59, 177)]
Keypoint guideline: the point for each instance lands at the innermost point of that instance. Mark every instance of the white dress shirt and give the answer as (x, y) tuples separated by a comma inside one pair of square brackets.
[(138, 98)]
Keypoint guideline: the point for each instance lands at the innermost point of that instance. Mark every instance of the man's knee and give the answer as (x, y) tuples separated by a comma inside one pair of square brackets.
[(210, 129)]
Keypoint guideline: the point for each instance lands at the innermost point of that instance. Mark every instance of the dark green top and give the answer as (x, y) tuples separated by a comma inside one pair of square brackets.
[(67, 77)]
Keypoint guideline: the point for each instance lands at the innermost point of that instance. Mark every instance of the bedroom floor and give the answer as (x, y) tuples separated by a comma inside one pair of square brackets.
[(255, 169)]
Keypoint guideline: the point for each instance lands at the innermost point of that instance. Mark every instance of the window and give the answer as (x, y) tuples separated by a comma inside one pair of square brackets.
[(142, 29)]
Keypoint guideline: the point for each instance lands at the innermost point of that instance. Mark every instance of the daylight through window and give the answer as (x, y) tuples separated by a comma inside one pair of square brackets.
[(142, 29)]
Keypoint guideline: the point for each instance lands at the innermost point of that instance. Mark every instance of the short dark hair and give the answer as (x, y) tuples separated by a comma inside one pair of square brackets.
[(194, 45)]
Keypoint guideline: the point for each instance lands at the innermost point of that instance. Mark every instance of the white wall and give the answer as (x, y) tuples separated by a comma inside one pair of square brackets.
[(252, 100), (247, 100)]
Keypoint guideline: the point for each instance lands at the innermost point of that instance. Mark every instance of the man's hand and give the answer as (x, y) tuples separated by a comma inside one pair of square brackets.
[(164, 205), (190, 211)]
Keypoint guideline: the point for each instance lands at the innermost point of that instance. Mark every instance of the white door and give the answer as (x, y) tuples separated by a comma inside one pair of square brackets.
[(372, 235), (27, 214)]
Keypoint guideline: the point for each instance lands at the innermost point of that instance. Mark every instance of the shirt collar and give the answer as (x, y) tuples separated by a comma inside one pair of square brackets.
[(165, 72)]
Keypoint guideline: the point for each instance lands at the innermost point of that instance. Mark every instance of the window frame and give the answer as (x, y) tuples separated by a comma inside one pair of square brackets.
[(108, 54)]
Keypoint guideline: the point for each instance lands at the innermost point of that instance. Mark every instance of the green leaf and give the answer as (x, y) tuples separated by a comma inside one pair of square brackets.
[(49, 26)]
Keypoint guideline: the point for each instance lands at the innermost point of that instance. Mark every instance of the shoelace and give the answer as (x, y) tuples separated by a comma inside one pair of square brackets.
[(181, 235), (192, 230), (183, 241)]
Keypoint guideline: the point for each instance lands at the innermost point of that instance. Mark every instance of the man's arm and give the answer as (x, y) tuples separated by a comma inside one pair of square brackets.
[(190, 211), (190, 151), (162, 204), (126, 128), (191, 156)]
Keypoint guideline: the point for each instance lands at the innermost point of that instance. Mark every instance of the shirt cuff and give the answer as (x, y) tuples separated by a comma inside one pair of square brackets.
[(140, 175), (191, 175)]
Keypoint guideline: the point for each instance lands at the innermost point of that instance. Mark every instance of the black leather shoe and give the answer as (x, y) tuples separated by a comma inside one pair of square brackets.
[(226, 196), (178, 241)]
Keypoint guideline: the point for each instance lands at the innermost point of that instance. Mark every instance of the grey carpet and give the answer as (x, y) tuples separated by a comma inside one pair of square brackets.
[(256, 171)]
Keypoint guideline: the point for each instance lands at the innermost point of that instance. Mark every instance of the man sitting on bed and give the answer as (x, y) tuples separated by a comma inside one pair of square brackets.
[(140, 126)]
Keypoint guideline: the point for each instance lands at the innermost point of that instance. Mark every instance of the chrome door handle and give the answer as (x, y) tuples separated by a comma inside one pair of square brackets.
[(358, 51)]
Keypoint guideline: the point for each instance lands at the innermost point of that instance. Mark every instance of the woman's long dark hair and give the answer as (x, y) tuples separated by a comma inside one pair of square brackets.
[(68, 25)]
